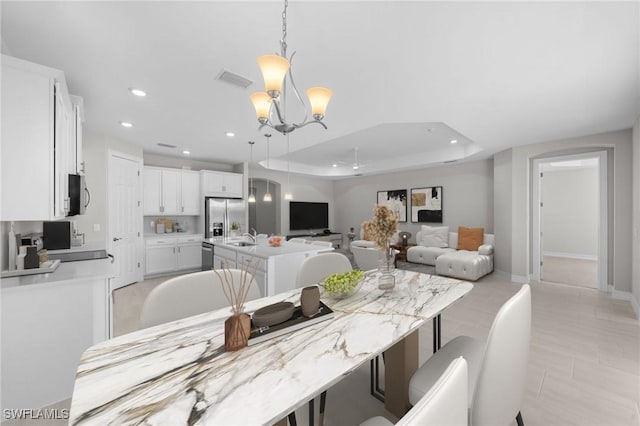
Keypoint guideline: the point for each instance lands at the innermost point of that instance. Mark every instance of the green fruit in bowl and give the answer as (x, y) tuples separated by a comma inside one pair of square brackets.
[(343, 283)]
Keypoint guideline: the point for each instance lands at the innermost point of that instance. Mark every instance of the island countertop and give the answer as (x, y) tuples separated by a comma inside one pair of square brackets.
[(264, 251)]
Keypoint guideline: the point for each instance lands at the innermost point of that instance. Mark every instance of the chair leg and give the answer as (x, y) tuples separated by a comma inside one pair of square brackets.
[(292, 419), (323, 401), (519, 419), (311, 413)]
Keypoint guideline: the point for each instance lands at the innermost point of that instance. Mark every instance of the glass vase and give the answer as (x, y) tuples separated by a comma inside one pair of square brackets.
[(386, 268)]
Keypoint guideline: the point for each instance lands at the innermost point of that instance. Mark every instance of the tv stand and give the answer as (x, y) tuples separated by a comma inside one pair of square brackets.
[(335, 237)]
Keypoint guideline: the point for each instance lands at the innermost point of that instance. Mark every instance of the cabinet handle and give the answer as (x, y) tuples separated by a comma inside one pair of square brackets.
[(161, 208), (182, 209), (174, 249), (224, 188), (179, 250)]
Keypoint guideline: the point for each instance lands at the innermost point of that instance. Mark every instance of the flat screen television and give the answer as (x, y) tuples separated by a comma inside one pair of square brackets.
[(307, 215)]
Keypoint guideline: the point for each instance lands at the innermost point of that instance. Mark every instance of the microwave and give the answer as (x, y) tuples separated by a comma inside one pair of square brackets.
[(79, 196)]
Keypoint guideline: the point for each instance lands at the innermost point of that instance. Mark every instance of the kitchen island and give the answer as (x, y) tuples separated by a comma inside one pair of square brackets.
[(277, 266), (48, 321)]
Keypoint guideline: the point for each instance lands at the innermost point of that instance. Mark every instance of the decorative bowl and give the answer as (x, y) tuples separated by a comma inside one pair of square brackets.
[(344, 284)]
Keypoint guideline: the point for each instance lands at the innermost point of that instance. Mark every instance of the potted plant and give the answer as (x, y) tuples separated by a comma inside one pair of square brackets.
[(235, 229)]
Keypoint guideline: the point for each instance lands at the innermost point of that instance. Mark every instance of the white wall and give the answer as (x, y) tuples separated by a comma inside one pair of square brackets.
[(570, 216), (95, 151), (502, 210), (636, 219), (467, 195), (519, 196)]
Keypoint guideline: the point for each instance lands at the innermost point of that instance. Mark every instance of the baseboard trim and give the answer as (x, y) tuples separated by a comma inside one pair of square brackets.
[(520, 279), (627, 295), (570, 255)]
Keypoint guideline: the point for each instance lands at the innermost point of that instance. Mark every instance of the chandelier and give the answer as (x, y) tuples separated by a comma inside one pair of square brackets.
[(274, 70)]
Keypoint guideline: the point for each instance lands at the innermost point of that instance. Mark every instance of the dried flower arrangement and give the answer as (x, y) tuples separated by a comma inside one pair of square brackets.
[(236, 293), (382, 227)]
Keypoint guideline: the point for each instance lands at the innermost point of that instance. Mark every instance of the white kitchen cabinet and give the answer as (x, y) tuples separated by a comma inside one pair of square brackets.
[(221, 184), (36, 121), (76, 161), (189, 253), (171, 192), (173, 253), (160, 256), (223, 257), (190, 192), (260, 274)]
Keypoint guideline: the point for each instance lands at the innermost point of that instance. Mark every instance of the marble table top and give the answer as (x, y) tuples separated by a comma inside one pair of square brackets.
[(178, 373)]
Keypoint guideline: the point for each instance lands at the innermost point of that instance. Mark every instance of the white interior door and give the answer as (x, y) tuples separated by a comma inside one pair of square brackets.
[(125, 218)]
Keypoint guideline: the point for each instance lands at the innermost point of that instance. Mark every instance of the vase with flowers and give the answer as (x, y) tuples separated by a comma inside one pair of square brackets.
[(380, 229), (236, 285)]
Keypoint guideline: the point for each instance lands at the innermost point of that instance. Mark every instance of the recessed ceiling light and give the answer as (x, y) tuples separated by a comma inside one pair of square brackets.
[(230, 134), (335, 165), (185, 152), (126, 124), (356, 167), (137, 92), (453, 141)]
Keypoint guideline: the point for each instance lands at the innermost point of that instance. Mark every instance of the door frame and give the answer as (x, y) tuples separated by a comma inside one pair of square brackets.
[(139, 245), (603, 240)]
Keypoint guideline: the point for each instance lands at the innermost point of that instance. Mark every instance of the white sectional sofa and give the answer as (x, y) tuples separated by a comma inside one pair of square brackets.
[(464, 264)]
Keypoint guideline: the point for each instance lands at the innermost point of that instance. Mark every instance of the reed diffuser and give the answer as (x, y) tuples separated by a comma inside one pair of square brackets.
[(236, 285)]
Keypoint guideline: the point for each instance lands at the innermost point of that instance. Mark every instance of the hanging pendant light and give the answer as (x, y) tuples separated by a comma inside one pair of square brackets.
[(267, 195), (288, 195), (275, 69), (252, 197)]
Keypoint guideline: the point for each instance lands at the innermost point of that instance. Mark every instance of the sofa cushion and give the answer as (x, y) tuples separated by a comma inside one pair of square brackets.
[(485, 249), (434, 236), (426, 255), (470, 238)]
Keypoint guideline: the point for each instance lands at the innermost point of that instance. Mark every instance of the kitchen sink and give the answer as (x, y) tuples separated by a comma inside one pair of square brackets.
[(242, 244)]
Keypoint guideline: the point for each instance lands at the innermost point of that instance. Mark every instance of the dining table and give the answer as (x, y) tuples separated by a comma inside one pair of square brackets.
[(179, 373)]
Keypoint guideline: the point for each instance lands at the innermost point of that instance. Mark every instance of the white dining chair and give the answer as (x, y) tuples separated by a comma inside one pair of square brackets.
[(188, 295), (366, 258), (297, 240), (445, 404), (322, 243), (317, 267), (313, 270), (497, 369)]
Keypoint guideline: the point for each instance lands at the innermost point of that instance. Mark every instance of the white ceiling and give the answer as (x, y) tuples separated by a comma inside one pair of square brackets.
[(492, 75)]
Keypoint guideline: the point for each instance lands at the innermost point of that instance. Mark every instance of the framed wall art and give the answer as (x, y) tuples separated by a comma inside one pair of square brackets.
[(396, 200), (426, 204)]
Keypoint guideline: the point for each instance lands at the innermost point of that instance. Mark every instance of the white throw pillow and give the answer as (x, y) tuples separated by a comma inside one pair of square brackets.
[(435, 236)]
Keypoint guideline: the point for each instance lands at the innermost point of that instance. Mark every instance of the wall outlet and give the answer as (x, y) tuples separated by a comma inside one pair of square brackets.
[(96, 227)]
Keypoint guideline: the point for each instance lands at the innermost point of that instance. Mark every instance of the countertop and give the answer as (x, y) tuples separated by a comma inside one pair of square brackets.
[(66, 272), (264, 250)]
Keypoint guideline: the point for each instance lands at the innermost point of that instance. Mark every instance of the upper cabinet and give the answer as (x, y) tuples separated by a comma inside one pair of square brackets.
[(221, 184), (171, 192), (37, 133), (75, 148)]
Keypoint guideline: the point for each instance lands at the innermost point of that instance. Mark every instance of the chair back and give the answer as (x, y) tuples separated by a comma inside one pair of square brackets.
[(499, 391), (365, 258), (445, 404), (318, 267), (188, 295)]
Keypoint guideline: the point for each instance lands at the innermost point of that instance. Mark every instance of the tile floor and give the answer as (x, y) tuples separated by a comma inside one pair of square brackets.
[(579, 272), (584, 366)]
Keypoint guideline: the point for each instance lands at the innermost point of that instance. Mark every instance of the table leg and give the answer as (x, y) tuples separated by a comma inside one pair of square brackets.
[(436, 334), (401, 361)]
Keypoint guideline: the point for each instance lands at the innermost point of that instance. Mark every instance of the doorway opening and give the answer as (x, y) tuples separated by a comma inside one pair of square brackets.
[(570, 220), (264, 216)]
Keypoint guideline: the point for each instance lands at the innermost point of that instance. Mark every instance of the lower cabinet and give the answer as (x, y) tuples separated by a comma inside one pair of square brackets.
[(170, 254), (260, 275)]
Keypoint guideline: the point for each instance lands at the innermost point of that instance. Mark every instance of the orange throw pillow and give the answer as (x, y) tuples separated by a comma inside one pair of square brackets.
[(470, 238)]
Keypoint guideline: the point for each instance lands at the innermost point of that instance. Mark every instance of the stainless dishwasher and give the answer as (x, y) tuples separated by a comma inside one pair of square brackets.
[(207, 256)]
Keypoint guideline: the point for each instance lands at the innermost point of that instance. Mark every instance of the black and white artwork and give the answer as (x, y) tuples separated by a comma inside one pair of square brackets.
[(396, 200), (426, 204)]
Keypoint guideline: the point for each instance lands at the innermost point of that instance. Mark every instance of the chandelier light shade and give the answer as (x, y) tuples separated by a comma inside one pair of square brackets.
[(319, 98), (275, 69), (267, 196), (262, 103)]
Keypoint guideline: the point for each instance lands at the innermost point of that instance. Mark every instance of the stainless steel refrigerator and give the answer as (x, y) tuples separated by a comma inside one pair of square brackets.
[(220, 213)]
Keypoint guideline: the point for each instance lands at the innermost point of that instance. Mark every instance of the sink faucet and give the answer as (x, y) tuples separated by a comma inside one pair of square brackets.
[(253, 236)]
